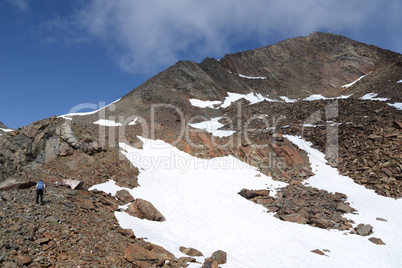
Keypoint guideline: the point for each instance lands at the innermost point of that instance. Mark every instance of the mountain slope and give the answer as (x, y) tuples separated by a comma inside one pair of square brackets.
[(341, 95)]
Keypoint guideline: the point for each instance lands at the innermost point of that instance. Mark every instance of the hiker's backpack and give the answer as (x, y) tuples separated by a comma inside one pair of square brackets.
[(40, 185)]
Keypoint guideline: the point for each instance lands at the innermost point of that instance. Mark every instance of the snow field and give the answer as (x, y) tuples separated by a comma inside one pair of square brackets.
[(204, 211)]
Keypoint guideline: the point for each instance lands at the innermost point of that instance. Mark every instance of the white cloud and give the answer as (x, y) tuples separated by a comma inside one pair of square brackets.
[(22, 5), (143, 34)]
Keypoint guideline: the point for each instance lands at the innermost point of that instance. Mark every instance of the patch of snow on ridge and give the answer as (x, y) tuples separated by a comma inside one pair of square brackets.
[(400, 81), (6, 129), (204, 104), (85, 106), (199, 200), (212, 127), (315, 97), (251, 97), (354, 82), (252, 77), (372, 96), (107, 123), (397, 105), (286, 99)]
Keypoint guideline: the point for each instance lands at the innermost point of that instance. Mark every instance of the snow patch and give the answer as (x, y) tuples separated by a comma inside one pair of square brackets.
[(212, 127), (354, 82), (251, 97), (252, 77), (107, 123), (6, 129), (70, 115), (286, 99), (108, 187), (315, 97), (397, 105), (132, 123), (400, 81), (205, 104), (372, 96)]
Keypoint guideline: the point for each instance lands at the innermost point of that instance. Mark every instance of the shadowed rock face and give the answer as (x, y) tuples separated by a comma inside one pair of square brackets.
[(2, 125)]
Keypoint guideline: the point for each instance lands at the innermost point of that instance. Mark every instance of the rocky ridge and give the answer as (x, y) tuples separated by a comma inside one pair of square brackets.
[(2, 125)]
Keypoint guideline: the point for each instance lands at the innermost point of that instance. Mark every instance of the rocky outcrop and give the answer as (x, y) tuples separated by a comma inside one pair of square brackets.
[(305, 205)]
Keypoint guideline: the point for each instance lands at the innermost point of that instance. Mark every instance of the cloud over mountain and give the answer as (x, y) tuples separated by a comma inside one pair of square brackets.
[(141, 35)]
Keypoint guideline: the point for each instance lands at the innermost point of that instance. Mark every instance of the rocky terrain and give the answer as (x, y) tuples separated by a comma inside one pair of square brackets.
[(2, 125), (77, 228)]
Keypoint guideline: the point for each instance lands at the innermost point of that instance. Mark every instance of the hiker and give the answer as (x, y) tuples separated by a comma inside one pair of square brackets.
[(40, 189)]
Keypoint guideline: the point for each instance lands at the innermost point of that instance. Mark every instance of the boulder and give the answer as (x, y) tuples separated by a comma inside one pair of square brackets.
[(343, 208), (191, 252), (317, 251), (124, 196), (320, 223), (397, 124), (23, 259), (72, 182), (144, 210), (364, 229), (16, 183), (295, 217), (147, 255), (376, 241), (218, 257), (250, 194)]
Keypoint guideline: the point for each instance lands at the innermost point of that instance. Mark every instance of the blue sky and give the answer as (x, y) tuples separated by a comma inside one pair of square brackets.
[(56, 54)]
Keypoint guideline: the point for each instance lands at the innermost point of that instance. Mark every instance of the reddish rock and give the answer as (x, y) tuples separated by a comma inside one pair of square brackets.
[(294, 218), (250, 194), (23, 259), (124, 196), (144, 210), (317, 251), (191, 252), (376, 241), (148, 255), (320, 223), (43, 240), (219, 256)]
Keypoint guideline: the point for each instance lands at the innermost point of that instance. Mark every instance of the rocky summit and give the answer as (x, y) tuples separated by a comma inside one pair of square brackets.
[(342, 96)]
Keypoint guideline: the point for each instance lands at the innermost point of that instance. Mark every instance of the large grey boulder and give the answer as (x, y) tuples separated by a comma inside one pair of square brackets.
[(16, 183)]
